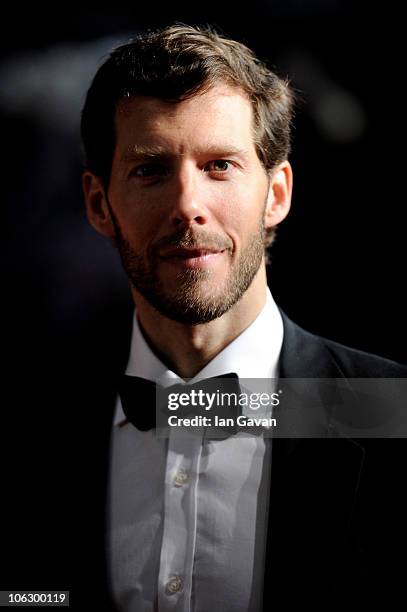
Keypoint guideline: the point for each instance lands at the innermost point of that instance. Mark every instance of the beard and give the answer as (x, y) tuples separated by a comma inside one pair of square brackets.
[(197, 296)]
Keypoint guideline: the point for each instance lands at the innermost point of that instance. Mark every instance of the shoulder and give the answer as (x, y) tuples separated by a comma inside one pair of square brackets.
[(362, 364), (307, 355)]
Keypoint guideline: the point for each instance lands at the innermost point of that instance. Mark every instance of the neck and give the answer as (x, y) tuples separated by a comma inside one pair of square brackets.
[(186, 349)]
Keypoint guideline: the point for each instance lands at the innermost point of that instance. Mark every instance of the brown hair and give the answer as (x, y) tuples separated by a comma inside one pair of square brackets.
[(174, 64)]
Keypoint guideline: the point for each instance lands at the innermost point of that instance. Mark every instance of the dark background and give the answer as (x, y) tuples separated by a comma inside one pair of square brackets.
[(338, 263)]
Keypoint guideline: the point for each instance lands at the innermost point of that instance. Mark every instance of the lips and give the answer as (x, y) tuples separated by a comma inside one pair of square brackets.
[(197, 258), (182, 253)]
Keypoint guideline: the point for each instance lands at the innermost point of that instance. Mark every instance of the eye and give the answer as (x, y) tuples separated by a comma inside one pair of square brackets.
[(149, 171), (218, 165)]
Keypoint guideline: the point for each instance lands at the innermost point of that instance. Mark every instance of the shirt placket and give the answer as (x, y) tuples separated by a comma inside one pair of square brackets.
[(180, 519)]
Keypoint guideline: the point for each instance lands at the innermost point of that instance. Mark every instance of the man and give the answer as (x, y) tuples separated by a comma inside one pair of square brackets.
[(186, 140)]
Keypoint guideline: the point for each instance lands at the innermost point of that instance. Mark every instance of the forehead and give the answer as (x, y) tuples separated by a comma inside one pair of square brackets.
[(222, 115)]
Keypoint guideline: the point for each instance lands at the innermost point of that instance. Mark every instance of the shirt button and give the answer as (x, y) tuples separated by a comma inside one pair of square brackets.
[(174, 585), (180, 478)]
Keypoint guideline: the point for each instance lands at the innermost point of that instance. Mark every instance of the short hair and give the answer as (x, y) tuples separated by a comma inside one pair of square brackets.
[(174, 64)]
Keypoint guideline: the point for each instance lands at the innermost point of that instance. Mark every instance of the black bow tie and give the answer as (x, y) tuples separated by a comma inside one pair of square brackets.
[(140, 397)]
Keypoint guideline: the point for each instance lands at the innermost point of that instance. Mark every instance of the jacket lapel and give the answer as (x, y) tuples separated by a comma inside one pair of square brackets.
[(313, 483)]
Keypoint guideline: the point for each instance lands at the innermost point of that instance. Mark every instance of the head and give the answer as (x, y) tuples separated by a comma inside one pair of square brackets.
[(189, 78)]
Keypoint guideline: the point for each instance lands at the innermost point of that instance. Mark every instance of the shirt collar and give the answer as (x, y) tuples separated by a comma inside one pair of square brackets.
[(253, 354)]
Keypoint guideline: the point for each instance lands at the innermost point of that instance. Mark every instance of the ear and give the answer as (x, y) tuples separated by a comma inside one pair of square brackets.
[(279, 195), (97, 208)]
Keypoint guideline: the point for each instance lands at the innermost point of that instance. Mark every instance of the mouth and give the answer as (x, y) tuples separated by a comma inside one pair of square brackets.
[(192, 258)]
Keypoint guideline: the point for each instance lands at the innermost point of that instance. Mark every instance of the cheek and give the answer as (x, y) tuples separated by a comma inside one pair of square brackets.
[(243, 212), (138, 218), (136, 230)]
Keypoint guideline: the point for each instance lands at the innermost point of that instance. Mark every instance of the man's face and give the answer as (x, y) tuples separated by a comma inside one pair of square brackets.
[(187, 196)]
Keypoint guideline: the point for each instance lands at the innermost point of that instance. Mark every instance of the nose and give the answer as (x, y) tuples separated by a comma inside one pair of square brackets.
[(188, 198)]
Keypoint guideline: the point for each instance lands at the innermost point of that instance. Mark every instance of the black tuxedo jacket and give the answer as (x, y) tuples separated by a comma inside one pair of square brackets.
[(336, 527)]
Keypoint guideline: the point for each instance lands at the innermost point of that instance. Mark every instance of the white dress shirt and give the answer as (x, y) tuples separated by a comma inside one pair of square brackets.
[(188, 515)]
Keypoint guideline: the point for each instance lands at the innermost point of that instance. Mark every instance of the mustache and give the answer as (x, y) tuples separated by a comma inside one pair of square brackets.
[(191, 239)]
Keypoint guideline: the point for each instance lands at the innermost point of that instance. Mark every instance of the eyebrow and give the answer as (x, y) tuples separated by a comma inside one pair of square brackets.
[(137, 152)]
